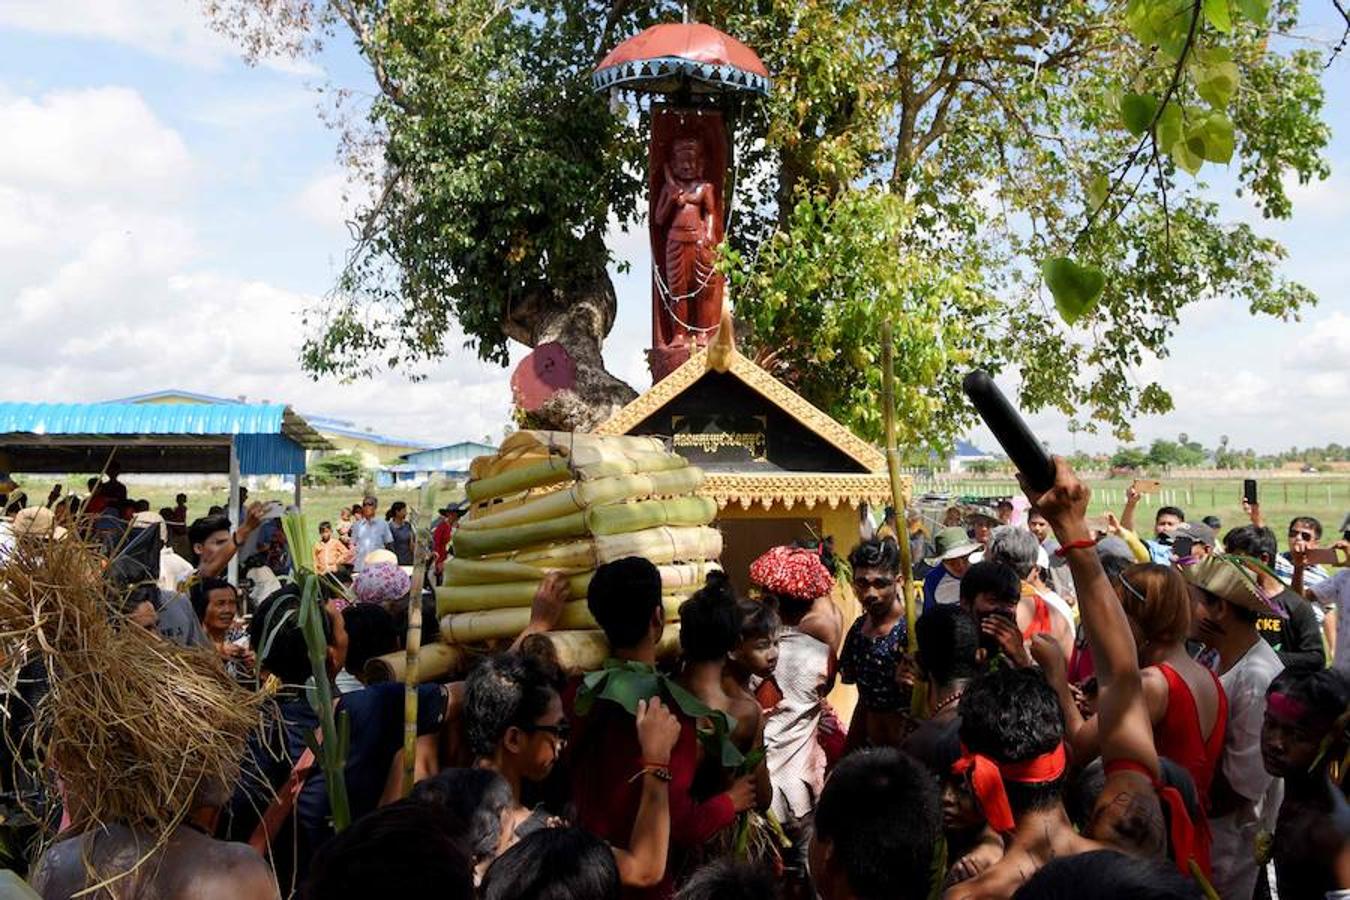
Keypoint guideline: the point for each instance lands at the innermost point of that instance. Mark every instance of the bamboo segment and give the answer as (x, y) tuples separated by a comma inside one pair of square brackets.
[(495, 624), (460, 571), (459, 598), (660, 545), (624, 518), (590, 494), (530, 534), (433, 661), (468, 597), (550, 471), (585, 651)]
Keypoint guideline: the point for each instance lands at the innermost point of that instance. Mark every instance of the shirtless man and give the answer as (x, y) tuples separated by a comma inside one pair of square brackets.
[(190, 866), (1012, 728), (1301, 713)]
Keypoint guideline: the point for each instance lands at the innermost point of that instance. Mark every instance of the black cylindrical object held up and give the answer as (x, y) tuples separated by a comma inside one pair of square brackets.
[(1010, 429)]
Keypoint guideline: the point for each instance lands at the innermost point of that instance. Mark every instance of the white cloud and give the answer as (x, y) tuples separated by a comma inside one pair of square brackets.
[(90, 142), (170, 29)]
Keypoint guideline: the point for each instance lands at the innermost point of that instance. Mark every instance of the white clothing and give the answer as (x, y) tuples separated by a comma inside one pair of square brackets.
[(173, 570), (791, 747), (948, 590), (1334, 593), (1057, 603), (149, 519), (346, 682), (1232, 850)]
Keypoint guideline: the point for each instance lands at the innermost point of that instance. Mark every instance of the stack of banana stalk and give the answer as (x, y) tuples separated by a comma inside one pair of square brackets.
[(551, 501)]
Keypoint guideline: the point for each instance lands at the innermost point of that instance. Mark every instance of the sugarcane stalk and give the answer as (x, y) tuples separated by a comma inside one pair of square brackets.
[(460, 571), (411, 649), (331, 747), (584, 651)]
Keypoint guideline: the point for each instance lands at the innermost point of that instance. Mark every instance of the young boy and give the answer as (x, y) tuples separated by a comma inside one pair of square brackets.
[(1304, 730), (330, 554)]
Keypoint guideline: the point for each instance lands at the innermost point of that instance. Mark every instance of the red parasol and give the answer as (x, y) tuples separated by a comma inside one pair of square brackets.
[(664, 58)]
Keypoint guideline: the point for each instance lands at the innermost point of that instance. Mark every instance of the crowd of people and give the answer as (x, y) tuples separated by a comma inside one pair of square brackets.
[(1082, 709)]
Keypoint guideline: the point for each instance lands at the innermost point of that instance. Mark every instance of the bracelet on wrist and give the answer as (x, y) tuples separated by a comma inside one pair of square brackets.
[(660, 773), (1085, 544)]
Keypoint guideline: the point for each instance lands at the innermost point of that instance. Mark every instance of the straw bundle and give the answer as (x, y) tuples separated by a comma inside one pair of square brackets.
[(138, 730)]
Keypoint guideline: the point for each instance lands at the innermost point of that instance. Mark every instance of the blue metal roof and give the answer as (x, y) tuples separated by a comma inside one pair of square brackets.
[(141, 418), (268, 438)]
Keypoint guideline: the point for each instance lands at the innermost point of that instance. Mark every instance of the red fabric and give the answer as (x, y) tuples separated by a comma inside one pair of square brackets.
[(794, 572), (1184, 836), (440, 542), (832, 734), (1040, 620), (1285, 707), (987, 777), (604, 754), (1179, 737), (692, 40)]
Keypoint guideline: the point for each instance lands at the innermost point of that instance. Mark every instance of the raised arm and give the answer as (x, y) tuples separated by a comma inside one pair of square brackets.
[(212, 567), (1131, 501), (1125, 732)]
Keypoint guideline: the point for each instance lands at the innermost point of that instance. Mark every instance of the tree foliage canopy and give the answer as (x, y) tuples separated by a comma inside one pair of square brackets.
[(1011, 183)]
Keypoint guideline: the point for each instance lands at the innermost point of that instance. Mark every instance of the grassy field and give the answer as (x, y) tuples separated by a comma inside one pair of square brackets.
[(1327, 497)]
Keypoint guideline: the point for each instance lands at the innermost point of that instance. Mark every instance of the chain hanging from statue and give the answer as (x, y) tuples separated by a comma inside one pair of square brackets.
[(688, 163)]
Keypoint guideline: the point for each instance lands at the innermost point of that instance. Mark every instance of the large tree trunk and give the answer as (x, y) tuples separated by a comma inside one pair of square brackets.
[(578, 315)]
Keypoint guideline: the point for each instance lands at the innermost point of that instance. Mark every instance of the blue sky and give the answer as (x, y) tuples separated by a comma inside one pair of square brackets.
[(167, 211)]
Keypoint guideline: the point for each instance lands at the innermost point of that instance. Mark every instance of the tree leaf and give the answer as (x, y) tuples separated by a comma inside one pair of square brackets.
[(1185, 157), (1254, 10), (1217, 83), (1169, 127), (1216, 11), (1075, 288), (1215, 136), (1097, 190), (1136, 111)]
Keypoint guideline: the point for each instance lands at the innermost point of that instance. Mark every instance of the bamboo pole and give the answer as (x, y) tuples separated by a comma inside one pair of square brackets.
[(413, 645), (433, 661), (898, 498)]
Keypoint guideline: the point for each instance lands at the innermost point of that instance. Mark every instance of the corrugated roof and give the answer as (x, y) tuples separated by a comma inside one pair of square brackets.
[(140, 418)]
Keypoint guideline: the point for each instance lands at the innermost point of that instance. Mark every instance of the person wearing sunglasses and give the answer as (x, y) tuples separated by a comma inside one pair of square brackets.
[(1305, 533)]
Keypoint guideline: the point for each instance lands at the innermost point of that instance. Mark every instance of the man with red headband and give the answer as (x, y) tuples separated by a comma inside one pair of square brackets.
[(1012, 732)]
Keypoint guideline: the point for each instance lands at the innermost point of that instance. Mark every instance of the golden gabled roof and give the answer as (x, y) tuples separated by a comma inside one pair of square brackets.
[(791, 488), (722, 356)]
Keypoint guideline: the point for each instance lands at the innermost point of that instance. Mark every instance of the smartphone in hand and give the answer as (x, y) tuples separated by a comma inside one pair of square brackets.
[(1249, 491), (1325, 556), (1147, 485)]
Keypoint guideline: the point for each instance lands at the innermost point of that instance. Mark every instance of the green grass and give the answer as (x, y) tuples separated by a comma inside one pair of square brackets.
[(1326, 497)]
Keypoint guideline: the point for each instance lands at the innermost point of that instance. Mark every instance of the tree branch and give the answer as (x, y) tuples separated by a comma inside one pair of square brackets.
[(349, 14)]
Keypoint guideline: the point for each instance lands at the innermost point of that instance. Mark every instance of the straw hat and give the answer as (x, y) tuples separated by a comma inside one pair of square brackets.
[(952, 543), (1222, 577), (37, 521)]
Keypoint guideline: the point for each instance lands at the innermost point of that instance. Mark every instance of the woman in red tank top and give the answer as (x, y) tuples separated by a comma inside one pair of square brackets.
[(1185, 701)]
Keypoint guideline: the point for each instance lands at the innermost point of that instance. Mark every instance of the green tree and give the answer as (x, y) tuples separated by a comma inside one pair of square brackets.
[(345, 469), (917, 162), (1129, 458)]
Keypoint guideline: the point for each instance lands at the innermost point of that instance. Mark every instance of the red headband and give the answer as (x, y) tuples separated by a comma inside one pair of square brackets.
[(1286, 707), (987, 777)]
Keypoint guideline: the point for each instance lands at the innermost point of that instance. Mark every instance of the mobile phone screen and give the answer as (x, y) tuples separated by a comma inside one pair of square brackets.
[(1249, 490)]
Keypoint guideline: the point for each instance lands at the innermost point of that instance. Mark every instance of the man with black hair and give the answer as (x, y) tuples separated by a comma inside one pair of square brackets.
[(407, 849), (213, 544), (1244, 797), (1303, 732), (731, 879), (1290, 626), (876, 827), (375, 717), (1165, 521), (1108, 875), (607, 770), (949, 645), (991, 592), (370, 633), (874, 647)]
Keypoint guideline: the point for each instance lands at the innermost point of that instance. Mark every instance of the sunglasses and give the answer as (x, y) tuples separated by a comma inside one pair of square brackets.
[(1303, 535), (562, 731)]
